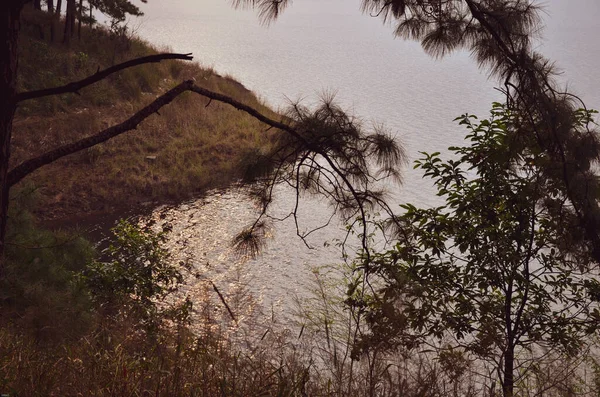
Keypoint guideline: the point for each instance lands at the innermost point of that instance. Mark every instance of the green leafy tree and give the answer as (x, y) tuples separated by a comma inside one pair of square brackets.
[(117, 11), (490, 272)]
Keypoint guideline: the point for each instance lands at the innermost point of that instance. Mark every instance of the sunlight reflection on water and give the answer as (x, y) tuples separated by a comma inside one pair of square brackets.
[(202, 231)]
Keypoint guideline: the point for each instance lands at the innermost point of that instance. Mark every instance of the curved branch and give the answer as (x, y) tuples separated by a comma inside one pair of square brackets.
[(75, 86), (27, 167)]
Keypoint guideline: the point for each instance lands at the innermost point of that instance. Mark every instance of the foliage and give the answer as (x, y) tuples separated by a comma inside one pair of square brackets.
[(489, 272), (41, 294), (329, 328), (331, 155), (117, 11), (499, 34), (520, 227), (136, 275), (115, 358)]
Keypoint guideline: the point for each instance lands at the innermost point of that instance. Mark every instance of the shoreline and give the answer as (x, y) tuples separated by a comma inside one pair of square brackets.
[(190, 148)]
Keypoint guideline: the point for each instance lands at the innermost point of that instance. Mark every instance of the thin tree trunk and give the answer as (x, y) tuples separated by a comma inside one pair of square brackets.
[(56, 19), (37, 5), (508, 383), (73, 15), (79, 16), (69, 22), (9, 35), (51, 13)]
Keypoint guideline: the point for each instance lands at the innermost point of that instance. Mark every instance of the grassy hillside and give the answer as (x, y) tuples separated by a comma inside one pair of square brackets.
[(179, 153)]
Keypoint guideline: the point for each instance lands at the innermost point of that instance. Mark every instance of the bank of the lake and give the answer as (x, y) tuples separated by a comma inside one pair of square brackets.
[(177, 154)]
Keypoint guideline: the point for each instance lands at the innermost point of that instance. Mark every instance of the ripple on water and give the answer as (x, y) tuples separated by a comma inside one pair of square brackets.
[(201, 235)]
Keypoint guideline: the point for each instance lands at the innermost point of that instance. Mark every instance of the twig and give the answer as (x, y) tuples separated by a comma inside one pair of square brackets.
[(223, 300)]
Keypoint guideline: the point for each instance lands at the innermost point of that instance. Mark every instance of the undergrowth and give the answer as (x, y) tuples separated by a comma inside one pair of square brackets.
[(75, 322)]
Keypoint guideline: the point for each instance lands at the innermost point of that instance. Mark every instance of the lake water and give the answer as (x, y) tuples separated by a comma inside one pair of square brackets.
[(328, 45)]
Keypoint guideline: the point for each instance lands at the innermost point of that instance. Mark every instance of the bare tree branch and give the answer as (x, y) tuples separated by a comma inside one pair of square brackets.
[(222, 298), (74, 87), (27, 167), (250, 110)]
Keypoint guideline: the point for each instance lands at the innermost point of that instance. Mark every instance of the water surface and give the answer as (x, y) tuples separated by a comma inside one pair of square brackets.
[(328, 45)]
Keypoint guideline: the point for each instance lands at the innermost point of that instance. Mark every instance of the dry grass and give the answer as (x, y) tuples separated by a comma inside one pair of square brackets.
[(226, 358), (195, 146)]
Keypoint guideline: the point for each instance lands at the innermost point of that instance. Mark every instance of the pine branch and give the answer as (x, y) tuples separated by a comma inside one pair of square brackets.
[(250, 110), (286, 128)]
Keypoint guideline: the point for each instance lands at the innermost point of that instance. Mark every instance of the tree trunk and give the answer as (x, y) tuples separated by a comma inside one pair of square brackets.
[(51, 12), (69, 22), (79, 17), (9, 35), (508, 383), (37, 5), (56, 21), (73, 15)]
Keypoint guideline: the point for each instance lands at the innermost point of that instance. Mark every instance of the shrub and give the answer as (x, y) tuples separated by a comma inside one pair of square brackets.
[(136, 275)]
